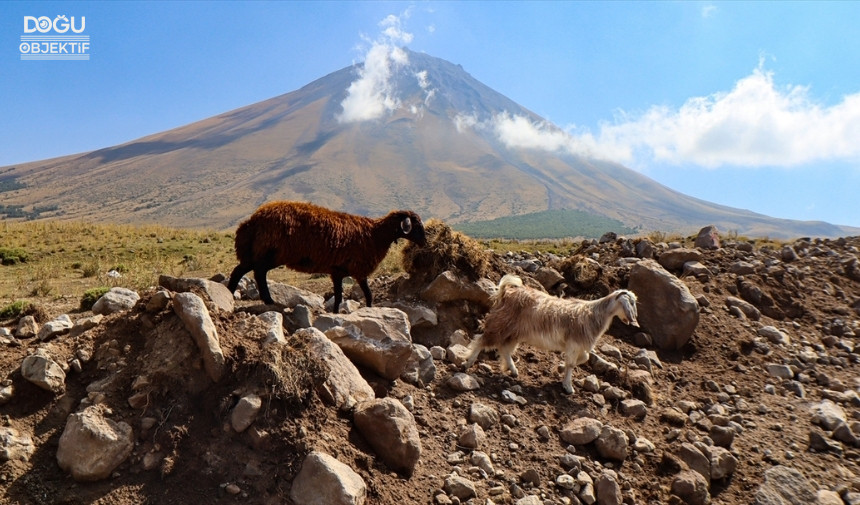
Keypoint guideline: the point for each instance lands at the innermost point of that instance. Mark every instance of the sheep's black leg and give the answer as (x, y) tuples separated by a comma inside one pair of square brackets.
[(368, 296), (237, 275), (337, 280), (262, 285)]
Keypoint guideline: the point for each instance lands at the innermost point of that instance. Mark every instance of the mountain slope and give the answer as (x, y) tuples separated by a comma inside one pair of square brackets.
[(435, 152)]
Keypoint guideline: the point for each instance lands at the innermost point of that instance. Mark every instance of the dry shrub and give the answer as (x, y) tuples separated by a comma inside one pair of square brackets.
[(446, 249), (291, 372)]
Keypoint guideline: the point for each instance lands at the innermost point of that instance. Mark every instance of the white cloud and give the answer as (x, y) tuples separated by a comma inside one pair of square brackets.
[(755, 124), (708, 10), (373, 94)]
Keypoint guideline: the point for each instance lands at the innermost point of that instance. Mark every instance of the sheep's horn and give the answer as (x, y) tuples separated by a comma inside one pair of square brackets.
[(406, 225)]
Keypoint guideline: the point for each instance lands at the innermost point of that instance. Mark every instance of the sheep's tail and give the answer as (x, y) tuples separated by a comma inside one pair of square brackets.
[(245, 235), (507, 281)]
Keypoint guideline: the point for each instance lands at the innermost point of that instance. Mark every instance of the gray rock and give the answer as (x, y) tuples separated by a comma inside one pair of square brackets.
[(195, 316), (420, 368), (216, 292), (457, 486), (472, 436), (27, 327), (708, 238), (323, 480), (633, 408), (40, 369), (695, 460), (115, 300), (419, 316), (691, 487), (784, 486), (387, 357), (462, 382), (290, 296), (723, 463), (742, 268), (774, 335), (674, 259), (828, 415), (245, 412), (391, 430), (581, 431), (158, 301), (92, 445), (275, 327), (667, 309), (608, 490), (376, 323), (484, 415), (612, 443), (746, 308), (59, 326), (779, 371), (447, 287), (14, 445), (548, 277), (344, 386), (85, 324), (457, 354)]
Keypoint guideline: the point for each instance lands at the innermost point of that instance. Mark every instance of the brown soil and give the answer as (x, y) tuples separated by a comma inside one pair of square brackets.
[(197, 454)]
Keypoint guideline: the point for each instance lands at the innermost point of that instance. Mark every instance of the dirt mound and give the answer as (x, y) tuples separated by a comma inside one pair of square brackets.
[(735, 379)]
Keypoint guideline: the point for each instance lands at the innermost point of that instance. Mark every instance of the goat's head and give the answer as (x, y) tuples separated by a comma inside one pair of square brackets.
[(626, 301), (411, 227)]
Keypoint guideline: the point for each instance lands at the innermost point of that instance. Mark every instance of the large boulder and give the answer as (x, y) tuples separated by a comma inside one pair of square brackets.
[(448, 287), (378, 323), (92, 445), (667, 309), (388, 358), (391, 431)]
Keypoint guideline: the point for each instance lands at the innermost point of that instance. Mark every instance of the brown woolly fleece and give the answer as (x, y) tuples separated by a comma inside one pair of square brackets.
[(312, 239)]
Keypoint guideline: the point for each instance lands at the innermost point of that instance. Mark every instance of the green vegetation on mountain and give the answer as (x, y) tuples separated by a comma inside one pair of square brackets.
[(548, 224)]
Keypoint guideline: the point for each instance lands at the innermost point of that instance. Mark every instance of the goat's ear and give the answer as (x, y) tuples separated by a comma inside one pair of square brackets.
[(406, 225)]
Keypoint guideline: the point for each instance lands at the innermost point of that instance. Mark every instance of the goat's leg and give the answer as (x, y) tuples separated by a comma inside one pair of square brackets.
[(570, 362), (238, 272), (475, 347), (368, 296), (507, 361)]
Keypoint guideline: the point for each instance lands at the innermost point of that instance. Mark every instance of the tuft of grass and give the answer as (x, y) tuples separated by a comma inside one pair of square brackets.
[(91, 296), (446, 249), (15, 309), (13, 255)]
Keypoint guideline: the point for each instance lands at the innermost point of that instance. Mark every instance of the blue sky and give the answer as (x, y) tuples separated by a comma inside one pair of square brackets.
[(753, 105)]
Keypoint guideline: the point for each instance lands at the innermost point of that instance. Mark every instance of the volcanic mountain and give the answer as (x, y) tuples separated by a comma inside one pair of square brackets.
[(427, 136)]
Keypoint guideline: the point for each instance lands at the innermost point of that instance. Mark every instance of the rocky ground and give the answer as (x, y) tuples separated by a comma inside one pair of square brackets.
[(185, 396)]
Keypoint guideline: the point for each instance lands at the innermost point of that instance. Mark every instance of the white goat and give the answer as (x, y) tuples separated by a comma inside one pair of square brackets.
[(523, 315)]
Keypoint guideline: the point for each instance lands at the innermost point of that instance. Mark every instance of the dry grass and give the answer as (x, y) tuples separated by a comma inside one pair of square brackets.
[(447, 249)]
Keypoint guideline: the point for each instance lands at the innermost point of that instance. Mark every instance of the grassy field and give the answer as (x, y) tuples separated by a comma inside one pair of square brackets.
[(54, 263)]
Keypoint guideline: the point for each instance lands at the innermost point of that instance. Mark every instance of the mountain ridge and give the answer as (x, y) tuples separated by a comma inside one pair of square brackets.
[(436, 152)]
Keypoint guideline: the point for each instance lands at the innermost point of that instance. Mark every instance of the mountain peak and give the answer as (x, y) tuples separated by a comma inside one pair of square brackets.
[(401, 130)]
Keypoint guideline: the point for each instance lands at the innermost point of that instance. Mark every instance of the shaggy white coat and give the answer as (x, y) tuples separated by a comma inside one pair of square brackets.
[(523, 315)]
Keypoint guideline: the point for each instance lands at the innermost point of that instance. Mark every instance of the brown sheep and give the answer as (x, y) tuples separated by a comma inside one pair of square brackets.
[(312, 239)]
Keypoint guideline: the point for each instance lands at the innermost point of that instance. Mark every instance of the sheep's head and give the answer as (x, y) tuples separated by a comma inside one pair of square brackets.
[(411, 227)]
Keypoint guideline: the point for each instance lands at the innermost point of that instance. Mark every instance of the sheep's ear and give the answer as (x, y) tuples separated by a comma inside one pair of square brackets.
[(406, 225)]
